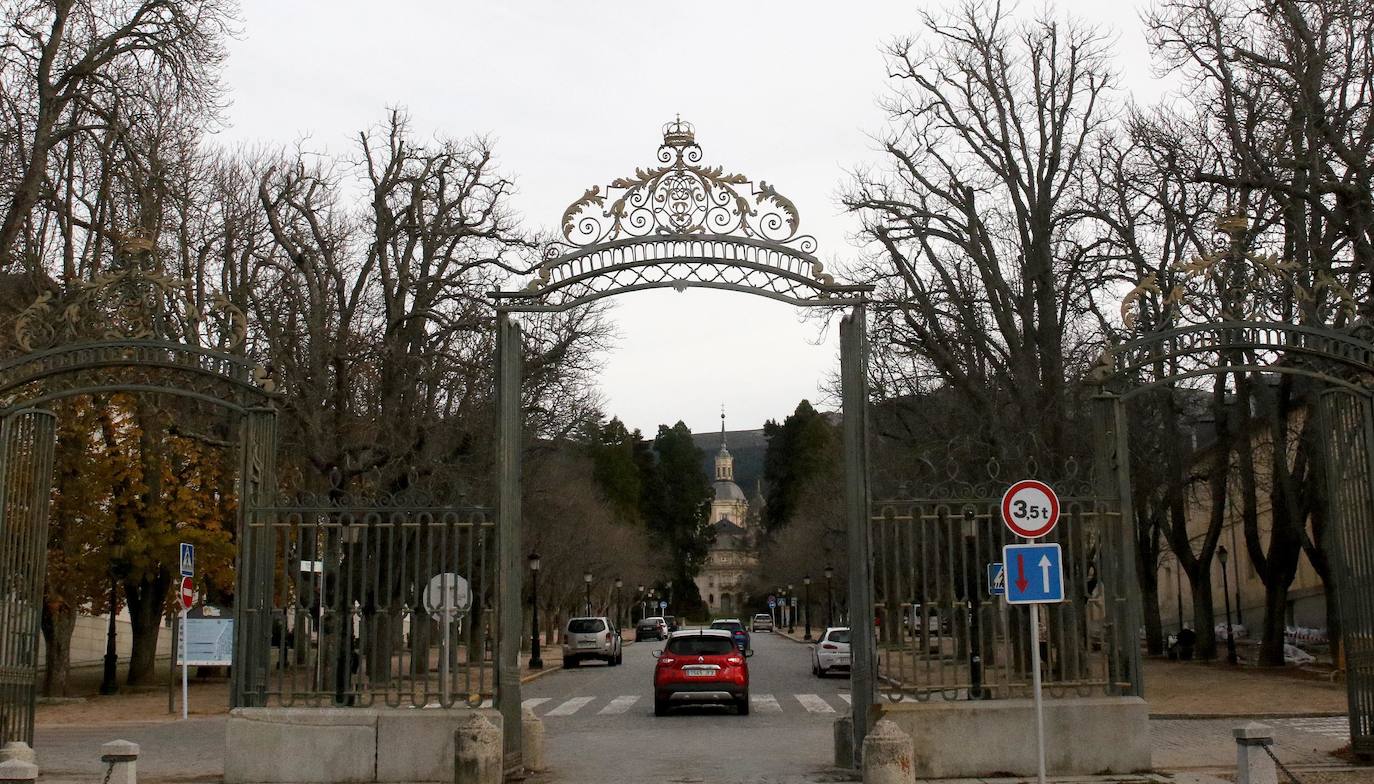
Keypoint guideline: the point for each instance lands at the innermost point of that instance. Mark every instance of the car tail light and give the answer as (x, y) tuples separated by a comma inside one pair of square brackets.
[(734, 660), (666, 660), (830, 647)]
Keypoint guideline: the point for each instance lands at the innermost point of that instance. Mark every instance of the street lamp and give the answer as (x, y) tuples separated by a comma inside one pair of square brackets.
[(791, 612), (829, 597), (536, 663), (806, 586), (641, 602), (619, 611), (1226, 591), (108, 682), (587, 580), (972, 595)]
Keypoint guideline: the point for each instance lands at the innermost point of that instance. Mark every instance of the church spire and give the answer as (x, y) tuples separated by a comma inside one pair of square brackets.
[(725, 463), (722, 425)]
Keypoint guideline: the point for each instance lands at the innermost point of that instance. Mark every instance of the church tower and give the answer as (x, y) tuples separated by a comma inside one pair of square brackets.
[(725, 462)]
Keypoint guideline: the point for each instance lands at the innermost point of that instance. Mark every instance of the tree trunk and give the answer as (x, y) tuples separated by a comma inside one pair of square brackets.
[(59, 619), (1275, 615), (144, 600), (1154, 625), (1203, 617)]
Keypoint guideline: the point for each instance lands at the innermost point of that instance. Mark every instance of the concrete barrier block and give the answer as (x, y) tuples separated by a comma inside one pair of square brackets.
[(418, 745), (887, 755), (267, 746), (18, 750), (478, 757), (122, 758), (971, 739), (531, 740), (844, 742), (1253, 763), (17, 771)]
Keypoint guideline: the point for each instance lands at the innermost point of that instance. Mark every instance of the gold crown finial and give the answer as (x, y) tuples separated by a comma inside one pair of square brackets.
[(679, 133)]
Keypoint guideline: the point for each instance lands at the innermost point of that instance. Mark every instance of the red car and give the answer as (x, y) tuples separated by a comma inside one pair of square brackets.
[(701, 667)]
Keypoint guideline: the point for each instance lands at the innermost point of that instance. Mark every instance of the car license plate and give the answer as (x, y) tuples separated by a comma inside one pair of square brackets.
[(586, 643), (699, 672)]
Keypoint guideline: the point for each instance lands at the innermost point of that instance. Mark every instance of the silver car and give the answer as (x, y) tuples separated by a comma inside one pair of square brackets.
[(593, 637), (763, 622)]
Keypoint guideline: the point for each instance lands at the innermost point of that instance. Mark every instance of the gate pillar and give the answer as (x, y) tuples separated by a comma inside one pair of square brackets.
[(27, 440), (509, 423), (1348, 422), (854, 394), (253, 592), (1112, 455)]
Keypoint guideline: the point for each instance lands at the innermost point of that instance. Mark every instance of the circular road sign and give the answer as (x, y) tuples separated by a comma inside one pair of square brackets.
[(447, 594), (1030, 508), (662, 605), (188, 593)]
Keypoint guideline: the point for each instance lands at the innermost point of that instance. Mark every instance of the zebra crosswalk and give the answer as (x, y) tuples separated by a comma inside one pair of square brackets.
[(762, 703)]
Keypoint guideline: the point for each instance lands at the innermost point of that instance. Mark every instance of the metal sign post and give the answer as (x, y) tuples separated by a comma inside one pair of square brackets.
[(1031, 509), (187, 597)]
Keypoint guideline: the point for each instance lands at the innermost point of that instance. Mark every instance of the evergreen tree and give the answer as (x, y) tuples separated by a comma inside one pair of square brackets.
[(618, 467), (676, 502), (801, 450)]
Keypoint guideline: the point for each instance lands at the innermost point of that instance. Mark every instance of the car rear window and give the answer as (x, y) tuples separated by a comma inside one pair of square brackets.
[(762, 617), (733, 626), (699, 646), (840, 635), (586, 626)]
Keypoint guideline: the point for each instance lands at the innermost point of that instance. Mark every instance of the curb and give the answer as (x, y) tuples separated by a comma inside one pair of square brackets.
[(794, 638), (1251, 716), (535, 675)]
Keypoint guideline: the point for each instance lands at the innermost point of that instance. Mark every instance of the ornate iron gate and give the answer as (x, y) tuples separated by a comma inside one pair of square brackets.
[(352, 601), (27, 440), (1349, 439), (944, 636)]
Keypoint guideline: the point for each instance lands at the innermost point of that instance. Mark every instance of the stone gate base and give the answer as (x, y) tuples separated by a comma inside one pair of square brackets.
[(338, 745), (1083, 737)]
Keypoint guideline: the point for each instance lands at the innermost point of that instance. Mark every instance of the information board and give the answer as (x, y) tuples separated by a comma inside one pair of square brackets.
[(209, 642)]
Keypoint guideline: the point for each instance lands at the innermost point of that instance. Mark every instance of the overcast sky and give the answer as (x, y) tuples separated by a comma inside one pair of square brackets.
[(575, 93)]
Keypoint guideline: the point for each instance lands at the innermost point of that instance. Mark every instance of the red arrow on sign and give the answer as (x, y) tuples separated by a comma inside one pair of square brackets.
[(1021, 581)]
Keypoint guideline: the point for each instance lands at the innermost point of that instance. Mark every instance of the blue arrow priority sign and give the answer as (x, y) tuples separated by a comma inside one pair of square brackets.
[(997, 579), (1035, 573)]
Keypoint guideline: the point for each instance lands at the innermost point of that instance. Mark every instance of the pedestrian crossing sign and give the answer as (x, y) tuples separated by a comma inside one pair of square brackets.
[(188, 559), (997, 579)]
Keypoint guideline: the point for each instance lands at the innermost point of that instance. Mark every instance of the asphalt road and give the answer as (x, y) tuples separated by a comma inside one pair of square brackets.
[(599, 724)]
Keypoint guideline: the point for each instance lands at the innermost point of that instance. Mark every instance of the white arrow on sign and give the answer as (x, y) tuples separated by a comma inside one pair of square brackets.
[(1045, 571)]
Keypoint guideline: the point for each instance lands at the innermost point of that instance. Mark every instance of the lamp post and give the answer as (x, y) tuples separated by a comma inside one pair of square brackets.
[(587, 582), (791, 611), (536, 663), (108, 680), (618, 616), (975, 652), (806, 586), (642, 614), (1226, 591), (829, 597)]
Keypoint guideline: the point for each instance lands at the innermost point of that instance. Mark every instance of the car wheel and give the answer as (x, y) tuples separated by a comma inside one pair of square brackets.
[(820, 671), (660, 706), (620, 658), (742, 705), (569, 662), (816, 671)]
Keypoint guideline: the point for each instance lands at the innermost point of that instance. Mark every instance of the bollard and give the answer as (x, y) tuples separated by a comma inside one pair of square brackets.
[(1253, 763), (13, 771), (844, 742), (532, 740), (477, 752), (887, 755), (122, 758), (17, 750)]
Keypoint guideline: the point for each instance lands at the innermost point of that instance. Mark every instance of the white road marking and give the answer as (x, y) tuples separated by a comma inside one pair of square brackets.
[(570, 707), (534, 702), (814, 704), (619, 704), (847, 699), (766, 703), (1331, 726)]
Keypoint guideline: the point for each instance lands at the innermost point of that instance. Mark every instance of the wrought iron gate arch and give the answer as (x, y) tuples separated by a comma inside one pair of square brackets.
[(113, 334), (680, 225), (1342, 361)]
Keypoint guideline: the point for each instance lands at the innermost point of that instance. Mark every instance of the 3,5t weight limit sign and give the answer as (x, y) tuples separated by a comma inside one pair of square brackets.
[(1030, 508)]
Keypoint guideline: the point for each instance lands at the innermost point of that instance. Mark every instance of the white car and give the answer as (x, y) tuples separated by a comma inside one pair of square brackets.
[(831, 651), (591, 638)]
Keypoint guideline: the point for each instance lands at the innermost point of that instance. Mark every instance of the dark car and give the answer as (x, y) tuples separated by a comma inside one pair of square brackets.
[(736, 629), (671, 620), (701, 667), (651, 628)]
